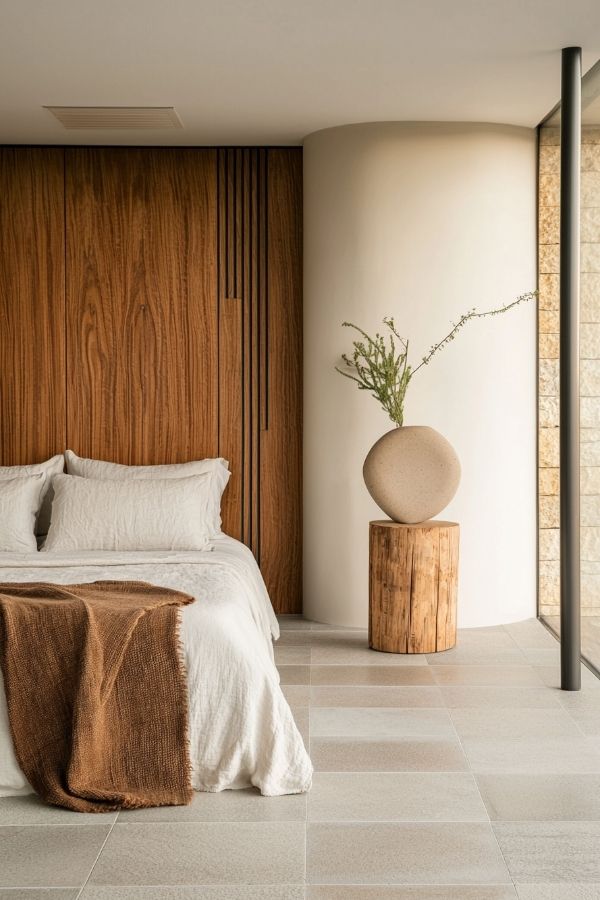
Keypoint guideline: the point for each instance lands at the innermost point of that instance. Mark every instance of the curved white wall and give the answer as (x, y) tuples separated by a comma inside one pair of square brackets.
[(422, 222)]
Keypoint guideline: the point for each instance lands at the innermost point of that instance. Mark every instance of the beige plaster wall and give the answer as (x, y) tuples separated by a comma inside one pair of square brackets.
[(423, 222)]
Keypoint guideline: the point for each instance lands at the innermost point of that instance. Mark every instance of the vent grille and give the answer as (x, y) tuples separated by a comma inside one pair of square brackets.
[(125, 117)]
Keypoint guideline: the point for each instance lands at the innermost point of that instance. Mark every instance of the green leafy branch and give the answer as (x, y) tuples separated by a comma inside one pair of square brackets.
[(381, 367)]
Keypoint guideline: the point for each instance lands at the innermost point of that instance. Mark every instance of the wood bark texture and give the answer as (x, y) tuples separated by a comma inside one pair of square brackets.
[(413, 586)]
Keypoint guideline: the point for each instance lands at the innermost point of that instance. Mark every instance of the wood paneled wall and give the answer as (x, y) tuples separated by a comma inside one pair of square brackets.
[(141, 304), (151, 312), (32, 305)]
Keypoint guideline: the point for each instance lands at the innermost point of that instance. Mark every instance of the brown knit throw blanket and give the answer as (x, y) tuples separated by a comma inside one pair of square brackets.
[(96, 692)]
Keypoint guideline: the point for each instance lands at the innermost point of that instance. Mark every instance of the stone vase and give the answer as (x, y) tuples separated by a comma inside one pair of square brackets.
[(412, 473)]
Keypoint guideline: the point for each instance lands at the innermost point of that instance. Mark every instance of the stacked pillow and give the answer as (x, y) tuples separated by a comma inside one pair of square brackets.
[(106, 506), (217, 469), (48, 469), (20, 499)]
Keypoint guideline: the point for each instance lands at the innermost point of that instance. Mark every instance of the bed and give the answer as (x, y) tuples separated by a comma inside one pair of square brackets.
[(242, 731)]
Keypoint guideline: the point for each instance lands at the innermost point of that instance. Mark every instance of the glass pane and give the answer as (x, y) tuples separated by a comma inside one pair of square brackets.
[(590, 367), (549, 216), (548, 402)]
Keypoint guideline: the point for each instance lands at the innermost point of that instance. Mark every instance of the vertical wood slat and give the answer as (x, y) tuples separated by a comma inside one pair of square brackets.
[(251, 473), (262, 250), (244, 251), (141, 304), (239, 276), (281, 442), (231, 379), (230, 412), (253, 290), (238, 225), (230, 218), (32, 304)]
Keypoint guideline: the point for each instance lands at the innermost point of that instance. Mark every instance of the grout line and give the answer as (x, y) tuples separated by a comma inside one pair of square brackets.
[(305, 848), (38, 888), (483, 773), (473, 774), (48, 824), (426, 772), (423, 822), (577, 725), (220, 885), (84, 885), (352, 821), (137, 823), (423, 884)]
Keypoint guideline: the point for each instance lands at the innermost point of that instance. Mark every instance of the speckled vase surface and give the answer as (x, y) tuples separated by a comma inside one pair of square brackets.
[(412, 473)]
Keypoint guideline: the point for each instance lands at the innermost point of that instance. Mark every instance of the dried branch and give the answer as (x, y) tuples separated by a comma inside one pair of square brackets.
[(382, 368)]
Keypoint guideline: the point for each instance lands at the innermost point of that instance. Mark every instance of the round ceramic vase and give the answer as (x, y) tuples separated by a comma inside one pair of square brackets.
[(412, 473)]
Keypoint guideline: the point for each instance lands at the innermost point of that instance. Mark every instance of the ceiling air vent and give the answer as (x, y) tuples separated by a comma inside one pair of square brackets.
[(125, 117)]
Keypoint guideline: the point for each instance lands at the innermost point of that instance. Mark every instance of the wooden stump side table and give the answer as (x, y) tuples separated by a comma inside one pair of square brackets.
[(413, 586)]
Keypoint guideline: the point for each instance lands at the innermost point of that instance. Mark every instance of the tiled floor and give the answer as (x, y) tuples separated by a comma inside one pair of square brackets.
[(459, 776)]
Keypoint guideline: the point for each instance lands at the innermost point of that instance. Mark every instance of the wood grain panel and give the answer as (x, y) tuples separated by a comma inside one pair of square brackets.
[(32, 304), (104, 244), (181, 353), (141, 304), (281, 440)]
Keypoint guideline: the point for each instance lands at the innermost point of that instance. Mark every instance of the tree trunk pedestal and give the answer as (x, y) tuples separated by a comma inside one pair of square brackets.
[(413, 586)]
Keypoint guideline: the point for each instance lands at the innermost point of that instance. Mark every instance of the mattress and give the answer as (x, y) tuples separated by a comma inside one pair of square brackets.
[(242, 731)]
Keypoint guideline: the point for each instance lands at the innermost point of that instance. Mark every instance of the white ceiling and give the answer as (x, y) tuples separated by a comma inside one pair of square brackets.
[(272, 71)]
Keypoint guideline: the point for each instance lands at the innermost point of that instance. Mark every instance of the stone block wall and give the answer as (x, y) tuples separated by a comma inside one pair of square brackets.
[(549, 212)]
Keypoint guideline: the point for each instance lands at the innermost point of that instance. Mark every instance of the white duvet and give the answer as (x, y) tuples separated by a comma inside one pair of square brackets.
[(242, 731)]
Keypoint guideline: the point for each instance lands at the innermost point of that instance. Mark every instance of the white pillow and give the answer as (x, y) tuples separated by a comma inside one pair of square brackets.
[(90, 514), (19, 504), (51, 467), (217, 468)]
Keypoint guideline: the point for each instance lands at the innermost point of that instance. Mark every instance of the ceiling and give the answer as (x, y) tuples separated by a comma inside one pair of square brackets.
[(273, 71)]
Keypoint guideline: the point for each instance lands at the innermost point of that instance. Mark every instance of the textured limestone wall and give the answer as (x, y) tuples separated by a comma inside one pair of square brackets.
[(549, 188)]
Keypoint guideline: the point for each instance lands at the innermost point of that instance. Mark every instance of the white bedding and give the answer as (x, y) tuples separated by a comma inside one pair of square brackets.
[(242, 731)]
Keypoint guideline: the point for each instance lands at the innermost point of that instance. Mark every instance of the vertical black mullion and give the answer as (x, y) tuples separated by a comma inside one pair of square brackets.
[(570, 562)]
